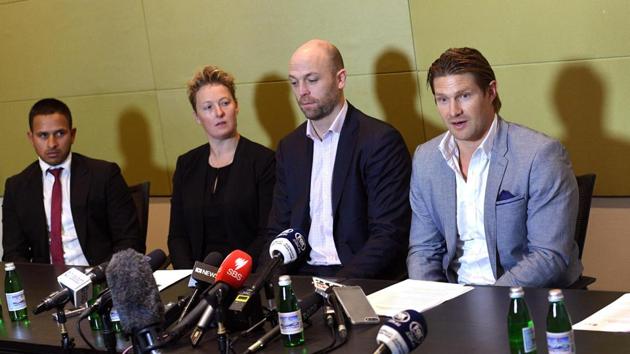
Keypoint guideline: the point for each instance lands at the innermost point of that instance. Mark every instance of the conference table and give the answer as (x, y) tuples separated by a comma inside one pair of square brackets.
[(472, 323)]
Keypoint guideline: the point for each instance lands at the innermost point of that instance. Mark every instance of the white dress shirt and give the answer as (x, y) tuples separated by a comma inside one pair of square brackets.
[(320, 236), (472, 260), (72, 252)]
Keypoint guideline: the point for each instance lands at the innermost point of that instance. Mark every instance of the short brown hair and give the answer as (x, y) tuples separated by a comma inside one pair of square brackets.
[(209, 75), (48, 106), (461, 61)]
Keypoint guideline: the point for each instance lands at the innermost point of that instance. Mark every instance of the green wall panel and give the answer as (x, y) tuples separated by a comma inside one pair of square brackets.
[(510, 32), (67, 48), (123, 128), (253, 37)]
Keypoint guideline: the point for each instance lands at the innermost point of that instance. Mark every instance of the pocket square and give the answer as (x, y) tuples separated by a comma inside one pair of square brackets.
[(505, 195)]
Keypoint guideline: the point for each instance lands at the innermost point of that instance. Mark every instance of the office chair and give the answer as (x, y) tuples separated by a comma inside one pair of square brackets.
[(140, 195), (586, 184)]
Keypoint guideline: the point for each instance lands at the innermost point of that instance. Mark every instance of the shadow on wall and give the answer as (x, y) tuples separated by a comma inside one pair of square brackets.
[(272, 100), (399, 97), (136, 143), (579, 97)]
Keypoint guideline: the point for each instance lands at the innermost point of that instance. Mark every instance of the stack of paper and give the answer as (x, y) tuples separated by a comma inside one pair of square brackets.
[(418, 295), (612, 318)]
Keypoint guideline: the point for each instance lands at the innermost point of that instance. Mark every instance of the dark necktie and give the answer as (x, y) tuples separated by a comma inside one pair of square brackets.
[(56, 247)]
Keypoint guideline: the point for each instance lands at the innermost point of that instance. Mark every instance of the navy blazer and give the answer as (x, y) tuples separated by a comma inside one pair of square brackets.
[(370, 195), (248, 199), (103, 212)]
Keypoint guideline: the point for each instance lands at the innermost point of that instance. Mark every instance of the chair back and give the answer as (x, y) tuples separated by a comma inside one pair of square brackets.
[(140, 196), (586, 183)]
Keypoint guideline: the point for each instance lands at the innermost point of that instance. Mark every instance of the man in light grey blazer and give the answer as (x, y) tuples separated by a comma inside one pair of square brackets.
[(493, 202)]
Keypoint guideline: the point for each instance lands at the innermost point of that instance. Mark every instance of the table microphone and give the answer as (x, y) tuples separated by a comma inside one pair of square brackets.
[(308, 306), (136, 297), (402, 333), (231, 275), (203, 275), (287, 247), (77, 285)]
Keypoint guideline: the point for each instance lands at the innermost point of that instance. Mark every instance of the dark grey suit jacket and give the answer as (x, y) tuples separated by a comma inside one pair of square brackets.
[(103, 212)]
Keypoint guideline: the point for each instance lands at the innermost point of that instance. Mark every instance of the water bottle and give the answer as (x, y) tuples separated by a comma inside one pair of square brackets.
[(96, 323), (16, 301), (520, 325), (560, 338), (289, 315)]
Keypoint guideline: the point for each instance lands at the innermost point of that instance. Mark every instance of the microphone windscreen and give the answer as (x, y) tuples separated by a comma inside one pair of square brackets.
[(214, 259), (134, 292), (235, 269), (404, 332), (291, 243), (156, 259)]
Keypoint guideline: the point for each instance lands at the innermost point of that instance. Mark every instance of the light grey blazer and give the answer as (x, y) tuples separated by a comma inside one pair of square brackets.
[(530, 211)]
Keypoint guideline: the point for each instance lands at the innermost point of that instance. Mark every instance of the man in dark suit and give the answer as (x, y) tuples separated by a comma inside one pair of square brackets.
[(342, 177), (65, 208)]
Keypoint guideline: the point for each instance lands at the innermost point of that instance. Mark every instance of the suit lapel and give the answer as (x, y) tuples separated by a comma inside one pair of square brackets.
[(303, 173), (498, 165), (345, 153), (447, 201), (79, 187), (34, 193)]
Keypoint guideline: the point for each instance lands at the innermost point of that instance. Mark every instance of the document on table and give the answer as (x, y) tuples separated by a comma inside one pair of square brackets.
[(613, 318), (419, 295), (165, 278)]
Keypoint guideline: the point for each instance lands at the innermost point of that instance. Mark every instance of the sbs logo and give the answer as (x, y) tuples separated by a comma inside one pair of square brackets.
[(234, 274)]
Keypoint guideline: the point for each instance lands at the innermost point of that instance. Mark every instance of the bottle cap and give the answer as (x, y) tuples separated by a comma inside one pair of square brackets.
[(516, 292), (284, 280), (555, 295), (9, 266)]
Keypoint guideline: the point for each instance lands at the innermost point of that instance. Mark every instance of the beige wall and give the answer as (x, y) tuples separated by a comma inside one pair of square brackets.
[(563, 67), (121, 65)]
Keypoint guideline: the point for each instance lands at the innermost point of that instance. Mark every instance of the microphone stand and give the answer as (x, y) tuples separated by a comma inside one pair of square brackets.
[(222, 337), (109, 335), (67, 342)]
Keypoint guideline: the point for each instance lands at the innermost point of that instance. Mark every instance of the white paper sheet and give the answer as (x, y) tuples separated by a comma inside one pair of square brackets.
[(165, 278), (613, 318), (418, 295)]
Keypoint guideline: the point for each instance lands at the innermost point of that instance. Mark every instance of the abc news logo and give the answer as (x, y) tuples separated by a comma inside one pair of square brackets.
[(206, 272)]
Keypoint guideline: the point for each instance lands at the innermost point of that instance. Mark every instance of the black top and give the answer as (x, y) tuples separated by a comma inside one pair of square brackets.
[(245, 203), (215, 233)]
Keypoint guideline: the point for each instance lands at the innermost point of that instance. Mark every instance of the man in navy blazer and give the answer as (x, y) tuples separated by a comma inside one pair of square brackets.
[(492, 202), (98, 215), (341, 177)]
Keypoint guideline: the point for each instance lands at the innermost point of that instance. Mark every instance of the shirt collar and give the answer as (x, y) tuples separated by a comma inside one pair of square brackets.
[(335, 127), (449, 149), (65, 165)]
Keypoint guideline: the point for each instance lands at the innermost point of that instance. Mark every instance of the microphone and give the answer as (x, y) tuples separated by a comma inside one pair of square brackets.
[(286, 248), (173, 309), (231, 275), (308, 307), (77, 286), (337, 313), (203, 274), (402, 333), (136, 298)]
